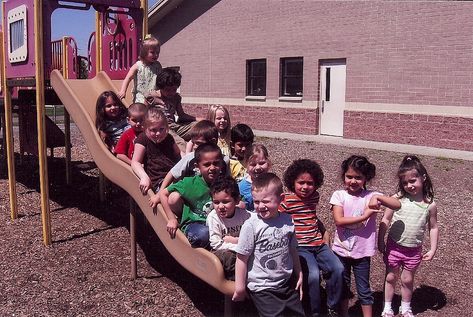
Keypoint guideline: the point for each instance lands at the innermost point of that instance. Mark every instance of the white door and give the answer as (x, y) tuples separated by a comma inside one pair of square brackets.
[(332, 97)]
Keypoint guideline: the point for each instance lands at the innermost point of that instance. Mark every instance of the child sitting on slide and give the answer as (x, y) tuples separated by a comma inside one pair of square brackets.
[(156, 150), (126, 144), (242, 138), (225, 222), (191, 197), (110, 118)]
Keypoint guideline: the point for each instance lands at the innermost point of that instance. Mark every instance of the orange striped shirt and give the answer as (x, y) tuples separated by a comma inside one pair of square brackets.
[(305, 220)]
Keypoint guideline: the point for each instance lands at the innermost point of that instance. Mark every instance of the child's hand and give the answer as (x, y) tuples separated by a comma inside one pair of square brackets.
[(230, 239), (145, 184), (121, 94), (374, 203), (239, 295), (154, 201), (172, 227), (428, 256)]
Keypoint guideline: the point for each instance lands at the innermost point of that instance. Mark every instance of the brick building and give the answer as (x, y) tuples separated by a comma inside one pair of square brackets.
[(390, 71)]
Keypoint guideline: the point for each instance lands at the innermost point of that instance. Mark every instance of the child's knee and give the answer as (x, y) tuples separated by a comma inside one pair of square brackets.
[(175, 203), (391, 277)]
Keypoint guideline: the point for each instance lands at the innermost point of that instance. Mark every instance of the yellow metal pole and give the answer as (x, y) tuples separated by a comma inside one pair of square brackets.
[(98, 41), (67, 118), (40, 110), (9, 131), (144, 7)]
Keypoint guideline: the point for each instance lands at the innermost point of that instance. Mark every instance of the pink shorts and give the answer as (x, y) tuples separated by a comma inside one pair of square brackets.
[(405, 257)]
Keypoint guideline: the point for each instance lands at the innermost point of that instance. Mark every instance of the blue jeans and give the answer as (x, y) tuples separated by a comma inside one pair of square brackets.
[(314, 260), (361, 271), (198, 235)]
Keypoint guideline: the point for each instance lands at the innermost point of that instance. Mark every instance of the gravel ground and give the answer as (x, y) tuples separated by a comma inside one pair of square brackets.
[(86, 270)]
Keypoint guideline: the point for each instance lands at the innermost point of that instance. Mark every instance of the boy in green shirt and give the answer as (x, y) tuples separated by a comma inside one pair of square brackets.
[(194, 192)]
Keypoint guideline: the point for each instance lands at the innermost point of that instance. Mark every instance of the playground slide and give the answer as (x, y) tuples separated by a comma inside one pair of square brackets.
[(79, 97)]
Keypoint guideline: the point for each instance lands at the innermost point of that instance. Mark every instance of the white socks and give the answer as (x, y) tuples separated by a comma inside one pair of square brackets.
[(387, 307), (405, 306)]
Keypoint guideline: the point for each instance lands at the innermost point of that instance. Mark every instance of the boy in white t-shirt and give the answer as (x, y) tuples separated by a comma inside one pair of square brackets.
[(225, 222)]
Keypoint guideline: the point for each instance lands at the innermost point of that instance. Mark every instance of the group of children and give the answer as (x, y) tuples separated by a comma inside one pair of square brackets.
[(217, 189)]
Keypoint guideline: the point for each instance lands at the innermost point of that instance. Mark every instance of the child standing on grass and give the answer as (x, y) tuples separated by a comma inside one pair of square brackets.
[(403, 250), (144, 71), (267, 254), (303, 178), (126, 144), (241, 138), (225, 222), (354, 210), (155, 153), (110, 118), (193, 201), (258, 162)]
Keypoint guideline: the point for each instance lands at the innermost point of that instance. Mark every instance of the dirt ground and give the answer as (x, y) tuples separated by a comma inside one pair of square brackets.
[(86, 270)]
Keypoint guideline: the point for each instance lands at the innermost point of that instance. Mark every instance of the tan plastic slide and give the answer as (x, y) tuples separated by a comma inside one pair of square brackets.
[(79, 98)]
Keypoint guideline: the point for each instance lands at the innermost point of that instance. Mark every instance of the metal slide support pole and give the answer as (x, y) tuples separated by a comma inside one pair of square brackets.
[(228, 306), (67, 118), (9, 134), (133, 238), (43, 164)]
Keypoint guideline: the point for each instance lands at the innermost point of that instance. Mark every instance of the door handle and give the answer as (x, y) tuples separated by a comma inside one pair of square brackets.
[(323, 105)]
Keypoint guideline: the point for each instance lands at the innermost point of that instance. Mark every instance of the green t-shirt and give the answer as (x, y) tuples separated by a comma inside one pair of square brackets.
[(195, 193)]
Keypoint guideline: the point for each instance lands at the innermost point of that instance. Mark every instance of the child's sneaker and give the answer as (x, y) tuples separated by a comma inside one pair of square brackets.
[(388, 313), (408, 313)]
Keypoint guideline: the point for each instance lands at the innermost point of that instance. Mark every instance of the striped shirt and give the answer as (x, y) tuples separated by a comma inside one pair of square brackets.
[(304, 216)]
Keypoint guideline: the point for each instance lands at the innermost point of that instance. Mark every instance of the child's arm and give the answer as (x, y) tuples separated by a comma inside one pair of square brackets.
[(124, 158), (137, 167), (241, 269), (297, 269), (383, 228), (341, 220), (131, 73), (172, 221), (189, 147), (323, 231), (168, 180), (377, 200), (184, 117), (433, 233)]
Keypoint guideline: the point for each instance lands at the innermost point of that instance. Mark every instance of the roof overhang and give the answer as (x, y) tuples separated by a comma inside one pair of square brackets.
[(160, 9)]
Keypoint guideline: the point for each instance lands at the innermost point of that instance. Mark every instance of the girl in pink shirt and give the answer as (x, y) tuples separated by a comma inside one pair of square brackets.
[(354, 211)]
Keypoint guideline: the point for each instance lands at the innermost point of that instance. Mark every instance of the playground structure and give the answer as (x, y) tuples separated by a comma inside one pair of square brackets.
[(36, 70)]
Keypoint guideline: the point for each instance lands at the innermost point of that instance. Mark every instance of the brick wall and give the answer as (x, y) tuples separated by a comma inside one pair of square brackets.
[(436, 131), (266, 118)]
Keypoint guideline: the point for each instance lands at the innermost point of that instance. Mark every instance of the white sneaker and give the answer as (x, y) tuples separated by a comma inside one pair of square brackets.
[(388, 313), (407, 313)]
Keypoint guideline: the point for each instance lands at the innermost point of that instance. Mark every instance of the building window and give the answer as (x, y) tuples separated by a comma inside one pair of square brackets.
[(291, 77), (256, 77)]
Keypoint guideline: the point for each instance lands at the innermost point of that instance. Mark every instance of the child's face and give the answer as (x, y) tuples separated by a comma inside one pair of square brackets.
[(210, 165), (266, 201), (304, 186), (221, 121), (153, 54), (224, 204), (412, 182), (168, 91), (258, 165), (354, 181), (135, 120), (199, 141), (157, 131), (112, 110), (239, 149)]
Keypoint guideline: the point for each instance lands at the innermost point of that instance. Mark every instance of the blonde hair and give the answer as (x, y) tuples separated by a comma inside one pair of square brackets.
[(212, 114), (148, 43), (254, 150)]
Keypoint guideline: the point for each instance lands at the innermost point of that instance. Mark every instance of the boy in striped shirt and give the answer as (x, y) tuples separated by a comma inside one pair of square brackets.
[(303, 177)]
